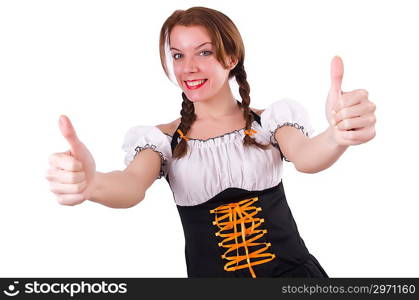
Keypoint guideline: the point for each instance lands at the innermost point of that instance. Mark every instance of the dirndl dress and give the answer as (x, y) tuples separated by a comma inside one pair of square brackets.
[(246, 230)]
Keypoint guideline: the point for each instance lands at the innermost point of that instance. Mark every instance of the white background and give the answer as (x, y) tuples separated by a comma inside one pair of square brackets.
[(98, 63)]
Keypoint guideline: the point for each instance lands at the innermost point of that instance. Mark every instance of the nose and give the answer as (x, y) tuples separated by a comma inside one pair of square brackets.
[(190, 65)]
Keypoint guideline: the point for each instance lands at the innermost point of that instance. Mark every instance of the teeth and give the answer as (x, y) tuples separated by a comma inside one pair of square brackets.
[(194, 83)]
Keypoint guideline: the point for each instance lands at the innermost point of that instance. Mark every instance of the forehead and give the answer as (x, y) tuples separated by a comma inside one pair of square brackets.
[(188, 37)]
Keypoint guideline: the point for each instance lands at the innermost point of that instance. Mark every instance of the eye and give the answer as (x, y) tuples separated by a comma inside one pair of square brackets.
[(176, 57), (206, 51)]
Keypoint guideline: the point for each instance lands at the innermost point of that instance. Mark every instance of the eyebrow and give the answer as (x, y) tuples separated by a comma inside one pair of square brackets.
[(195, 47)]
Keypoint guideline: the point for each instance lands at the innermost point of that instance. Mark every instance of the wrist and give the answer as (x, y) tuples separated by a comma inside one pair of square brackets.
[(92, 192)]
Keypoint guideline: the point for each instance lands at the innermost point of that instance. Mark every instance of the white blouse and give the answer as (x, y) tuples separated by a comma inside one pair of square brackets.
[(213, 165)]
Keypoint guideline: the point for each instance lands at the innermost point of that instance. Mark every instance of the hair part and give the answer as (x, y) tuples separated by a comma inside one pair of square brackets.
[(227, 42)]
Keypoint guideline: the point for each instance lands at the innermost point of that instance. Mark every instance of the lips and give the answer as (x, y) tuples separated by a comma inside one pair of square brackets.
[(195, 84)]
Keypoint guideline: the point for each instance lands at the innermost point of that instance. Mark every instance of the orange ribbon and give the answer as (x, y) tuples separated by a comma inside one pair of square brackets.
[(234, 215), (250, 132), (182, 136)]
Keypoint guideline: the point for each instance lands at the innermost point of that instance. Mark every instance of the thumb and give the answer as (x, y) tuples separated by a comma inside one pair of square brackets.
[(69, 133), (336, 74)]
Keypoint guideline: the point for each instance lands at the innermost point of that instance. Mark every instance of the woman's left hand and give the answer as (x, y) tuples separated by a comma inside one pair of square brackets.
[(350, 114)]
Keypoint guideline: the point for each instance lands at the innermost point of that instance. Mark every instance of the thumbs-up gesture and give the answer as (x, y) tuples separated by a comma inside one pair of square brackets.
[(71, 174), (350, 114)]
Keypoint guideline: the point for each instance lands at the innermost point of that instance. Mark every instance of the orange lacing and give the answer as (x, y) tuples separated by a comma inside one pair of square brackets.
[(228, 221), (182, 136), (250, 132)]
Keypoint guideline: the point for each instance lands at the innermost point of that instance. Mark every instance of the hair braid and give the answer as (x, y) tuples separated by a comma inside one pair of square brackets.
[(244, 90), (187, 118)]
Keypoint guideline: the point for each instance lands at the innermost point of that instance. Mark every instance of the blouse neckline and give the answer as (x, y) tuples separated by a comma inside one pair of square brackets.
[(215, 137), (223, 135), (236, 131)]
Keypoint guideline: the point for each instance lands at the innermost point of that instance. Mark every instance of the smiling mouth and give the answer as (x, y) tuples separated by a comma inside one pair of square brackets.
[(195, 84)]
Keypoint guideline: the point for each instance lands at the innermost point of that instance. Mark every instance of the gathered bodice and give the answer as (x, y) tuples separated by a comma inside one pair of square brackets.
[(213, 165)]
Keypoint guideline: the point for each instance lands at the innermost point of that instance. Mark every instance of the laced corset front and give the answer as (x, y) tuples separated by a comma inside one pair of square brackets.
[(239, 228)]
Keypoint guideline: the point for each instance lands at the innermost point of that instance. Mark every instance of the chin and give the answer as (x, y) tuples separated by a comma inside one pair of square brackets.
[(195, 98)]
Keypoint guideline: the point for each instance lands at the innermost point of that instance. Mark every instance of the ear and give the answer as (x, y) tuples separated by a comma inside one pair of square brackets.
[(232, 63)]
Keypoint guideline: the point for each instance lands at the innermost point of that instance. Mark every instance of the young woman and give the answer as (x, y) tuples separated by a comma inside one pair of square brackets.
[(222, 158)]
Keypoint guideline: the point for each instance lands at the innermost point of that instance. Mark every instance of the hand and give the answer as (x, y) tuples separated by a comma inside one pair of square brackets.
[(354, 120), (71, 174)]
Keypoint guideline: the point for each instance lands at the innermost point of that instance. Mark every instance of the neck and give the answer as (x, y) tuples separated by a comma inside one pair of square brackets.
[(220, 105)]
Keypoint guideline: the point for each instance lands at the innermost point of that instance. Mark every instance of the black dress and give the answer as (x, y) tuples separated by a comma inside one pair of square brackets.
[(242, 233)]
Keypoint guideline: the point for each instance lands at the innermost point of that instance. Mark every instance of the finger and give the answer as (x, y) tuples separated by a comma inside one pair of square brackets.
[(63, 161), (354, 111), (354, 97), (62, 176), (356, 123), (336, 74), (357, 91), (67, 188), (362, 135), (70, 199), (69, 133), (371, 106)]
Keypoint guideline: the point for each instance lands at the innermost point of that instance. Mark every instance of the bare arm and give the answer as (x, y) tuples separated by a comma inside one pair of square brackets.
[(124, 189), (309, 155)]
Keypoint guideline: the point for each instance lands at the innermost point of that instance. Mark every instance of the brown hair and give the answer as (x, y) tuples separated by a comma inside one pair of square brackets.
[(227, 42)]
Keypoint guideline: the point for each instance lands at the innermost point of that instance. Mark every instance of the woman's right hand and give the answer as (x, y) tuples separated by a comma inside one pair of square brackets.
[(71, 174)]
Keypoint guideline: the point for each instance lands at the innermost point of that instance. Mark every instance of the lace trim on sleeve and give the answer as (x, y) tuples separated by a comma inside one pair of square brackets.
[(138, 149), (296, 125)]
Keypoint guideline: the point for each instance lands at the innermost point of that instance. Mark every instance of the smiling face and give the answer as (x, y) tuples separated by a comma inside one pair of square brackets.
[(197, 71)]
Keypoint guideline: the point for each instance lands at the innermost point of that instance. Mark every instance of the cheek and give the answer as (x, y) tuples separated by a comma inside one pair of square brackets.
[(177, 71), (214, 70), (178, 76), (220, 75)]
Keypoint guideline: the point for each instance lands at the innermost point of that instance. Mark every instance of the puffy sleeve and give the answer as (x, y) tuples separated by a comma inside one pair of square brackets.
[(139, 138), (286, 112)]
